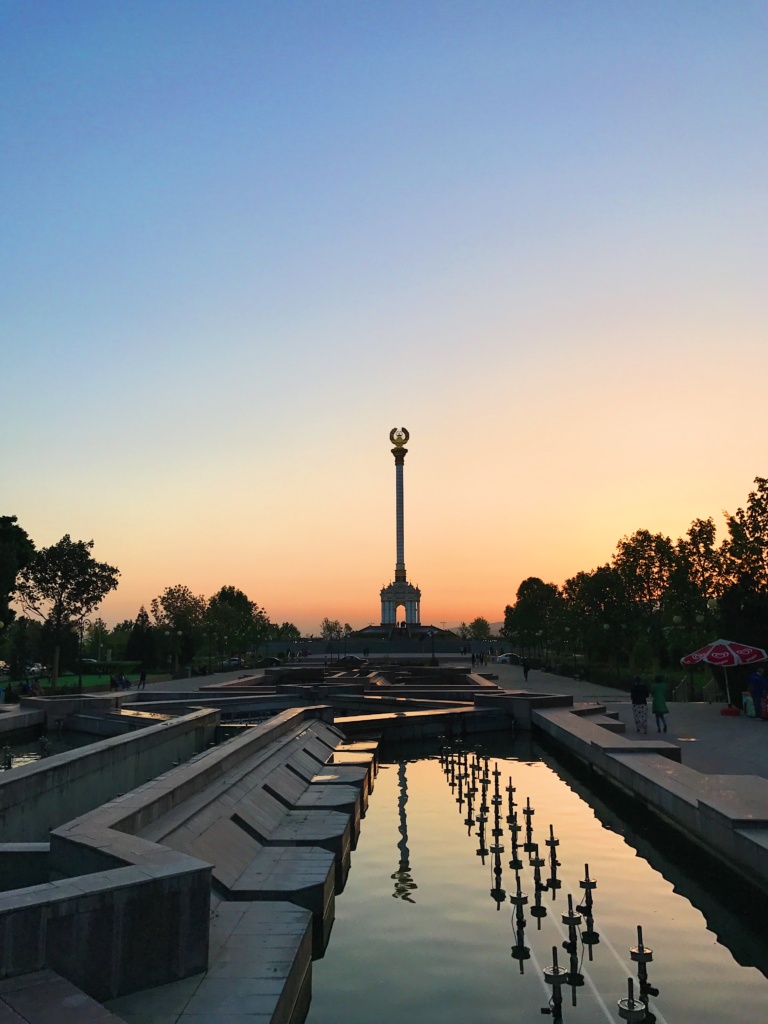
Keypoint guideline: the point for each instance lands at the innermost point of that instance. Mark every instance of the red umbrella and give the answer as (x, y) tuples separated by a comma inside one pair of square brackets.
[(726, 654)]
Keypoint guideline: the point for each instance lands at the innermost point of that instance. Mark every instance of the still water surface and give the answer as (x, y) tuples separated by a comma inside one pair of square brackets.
[(35, 748), (423, 934)]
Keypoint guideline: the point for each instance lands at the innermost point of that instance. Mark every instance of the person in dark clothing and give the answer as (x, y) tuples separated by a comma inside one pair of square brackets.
[(526, 668), (638, 694), (757, 687)]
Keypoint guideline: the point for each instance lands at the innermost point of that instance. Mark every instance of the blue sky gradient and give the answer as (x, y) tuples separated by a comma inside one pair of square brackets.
[(242, 241)]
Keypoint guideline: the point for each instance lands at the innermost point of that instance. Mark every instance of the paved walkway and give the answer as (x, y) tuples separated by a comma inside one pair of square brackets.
[(190, 685), (710, 742)]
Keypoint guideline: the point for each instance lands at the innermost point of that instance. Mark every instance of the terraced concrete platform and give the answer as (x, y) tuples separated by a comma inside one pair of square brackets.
[(44, 997), (259, 972)]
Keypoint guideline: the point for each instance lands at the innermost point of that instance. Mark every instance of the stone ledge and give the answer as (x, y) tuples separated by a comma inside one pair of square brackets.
[(44, 996), (260, 970), (591, 740), (725, 814)]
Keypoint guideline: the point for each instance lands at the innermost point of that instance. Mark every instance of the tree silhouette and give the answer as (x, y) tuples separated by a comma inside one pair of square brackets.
[(62, 585)]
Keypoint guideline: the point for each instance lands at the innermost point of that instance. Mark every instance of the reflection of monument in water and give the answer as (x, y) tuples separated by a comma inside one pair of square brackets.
[(401, 593), (404, 883)]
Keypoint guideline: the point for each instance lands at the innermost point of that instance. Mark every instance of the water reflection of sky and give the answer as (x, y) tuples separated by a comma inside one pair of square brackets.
[(444, 953), (29, 750)]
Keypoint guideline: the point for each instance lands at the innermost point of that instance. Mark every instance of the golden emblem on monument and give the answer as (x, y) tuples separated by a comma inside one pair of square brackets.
[(399, 437)]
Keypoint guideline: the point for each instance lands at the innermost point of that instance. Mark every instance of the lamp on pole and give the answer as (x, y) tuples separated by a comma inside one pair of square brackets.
[(80, 631), (175, 653)]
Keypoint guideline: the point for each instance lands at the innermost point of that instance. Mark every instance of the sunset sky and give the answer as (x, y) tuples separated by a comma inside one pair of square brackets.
[(242, 241)]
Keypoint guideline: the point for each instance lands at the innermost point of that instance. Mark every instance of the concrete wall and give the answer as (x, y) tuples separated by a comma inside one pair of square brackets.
[(727, 815), (111, 933), (39, 797), (123, 913), (453, 722), (137, 810), (23, 864)]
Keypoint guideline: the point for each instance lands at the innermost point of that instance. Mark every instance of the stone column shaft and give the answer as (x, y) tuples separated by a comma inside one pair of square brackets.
[(399, 454)]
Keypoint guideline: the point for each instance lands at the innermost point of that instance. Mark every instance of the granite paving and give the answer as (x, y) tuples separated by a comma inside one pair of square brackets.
[(44, 997), (710, 742), (259, 972)]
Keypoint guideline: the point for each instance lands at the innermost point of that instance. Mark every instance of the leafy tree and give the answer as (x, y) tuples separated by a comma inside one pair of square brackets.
[(117, 639), (645, 562), (706, 560), (348, 631), (743, 613), (747, 547), (285, 631), (261, 628), (142, 644), (507, 630), (537, 610), (16, 552), (235, 622), (178, 615), (94, 641), (61, 585), (24, 645), (464, 631), (480, 628), (331, 629), (595, 600), (742, 607)]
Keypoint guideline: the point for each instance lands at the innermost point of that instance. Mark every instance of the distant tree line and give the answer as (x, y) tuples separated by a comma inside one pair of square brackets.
[(477, 629), (656, 600), (58, 588)]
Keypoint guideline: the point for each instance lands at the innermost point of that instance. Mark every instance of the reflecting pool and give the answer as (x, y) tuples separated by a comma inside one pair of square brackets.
[(430, 926), (18, 752)]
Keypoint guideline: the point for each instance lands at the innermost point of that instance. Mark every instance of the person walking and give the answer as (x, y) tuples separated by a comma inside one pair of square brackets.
[(757, 688), (638, 694), (526, 668), (143, 679), (659, 703)]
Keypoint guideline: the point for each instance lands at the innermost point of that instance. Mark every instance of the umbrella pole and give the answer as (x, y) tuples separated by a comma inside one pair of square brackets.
[(727, 687)]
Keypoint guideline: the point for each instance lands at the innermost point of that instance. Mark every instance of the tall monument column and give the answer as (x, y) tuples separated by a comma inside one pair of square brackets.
[(399, 453), (400, 593)]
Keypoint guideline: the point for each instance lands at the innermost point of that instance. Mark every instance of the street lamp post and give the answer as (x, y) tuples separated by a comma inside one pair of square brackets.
[(80, 631), (175, 652)]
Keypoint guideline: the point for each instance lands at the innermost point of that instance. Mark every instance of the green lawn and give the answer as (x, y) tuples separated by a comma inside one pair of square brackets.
[(70, 683)]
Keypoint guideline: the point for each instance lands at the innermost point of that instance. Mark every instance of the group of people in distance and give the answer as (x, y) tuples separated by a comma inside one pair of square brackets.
[(755, 700), (639, 694), (31, 688)]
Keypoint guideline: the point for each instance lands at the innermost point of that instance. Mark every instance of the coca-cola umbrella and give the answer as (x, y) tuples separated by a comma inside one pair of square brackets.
[(725, 654)]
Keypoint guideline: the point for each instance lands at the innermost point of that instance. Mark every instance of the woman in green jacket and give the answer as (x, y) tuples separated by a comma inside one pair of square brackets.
[(659, 703)]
